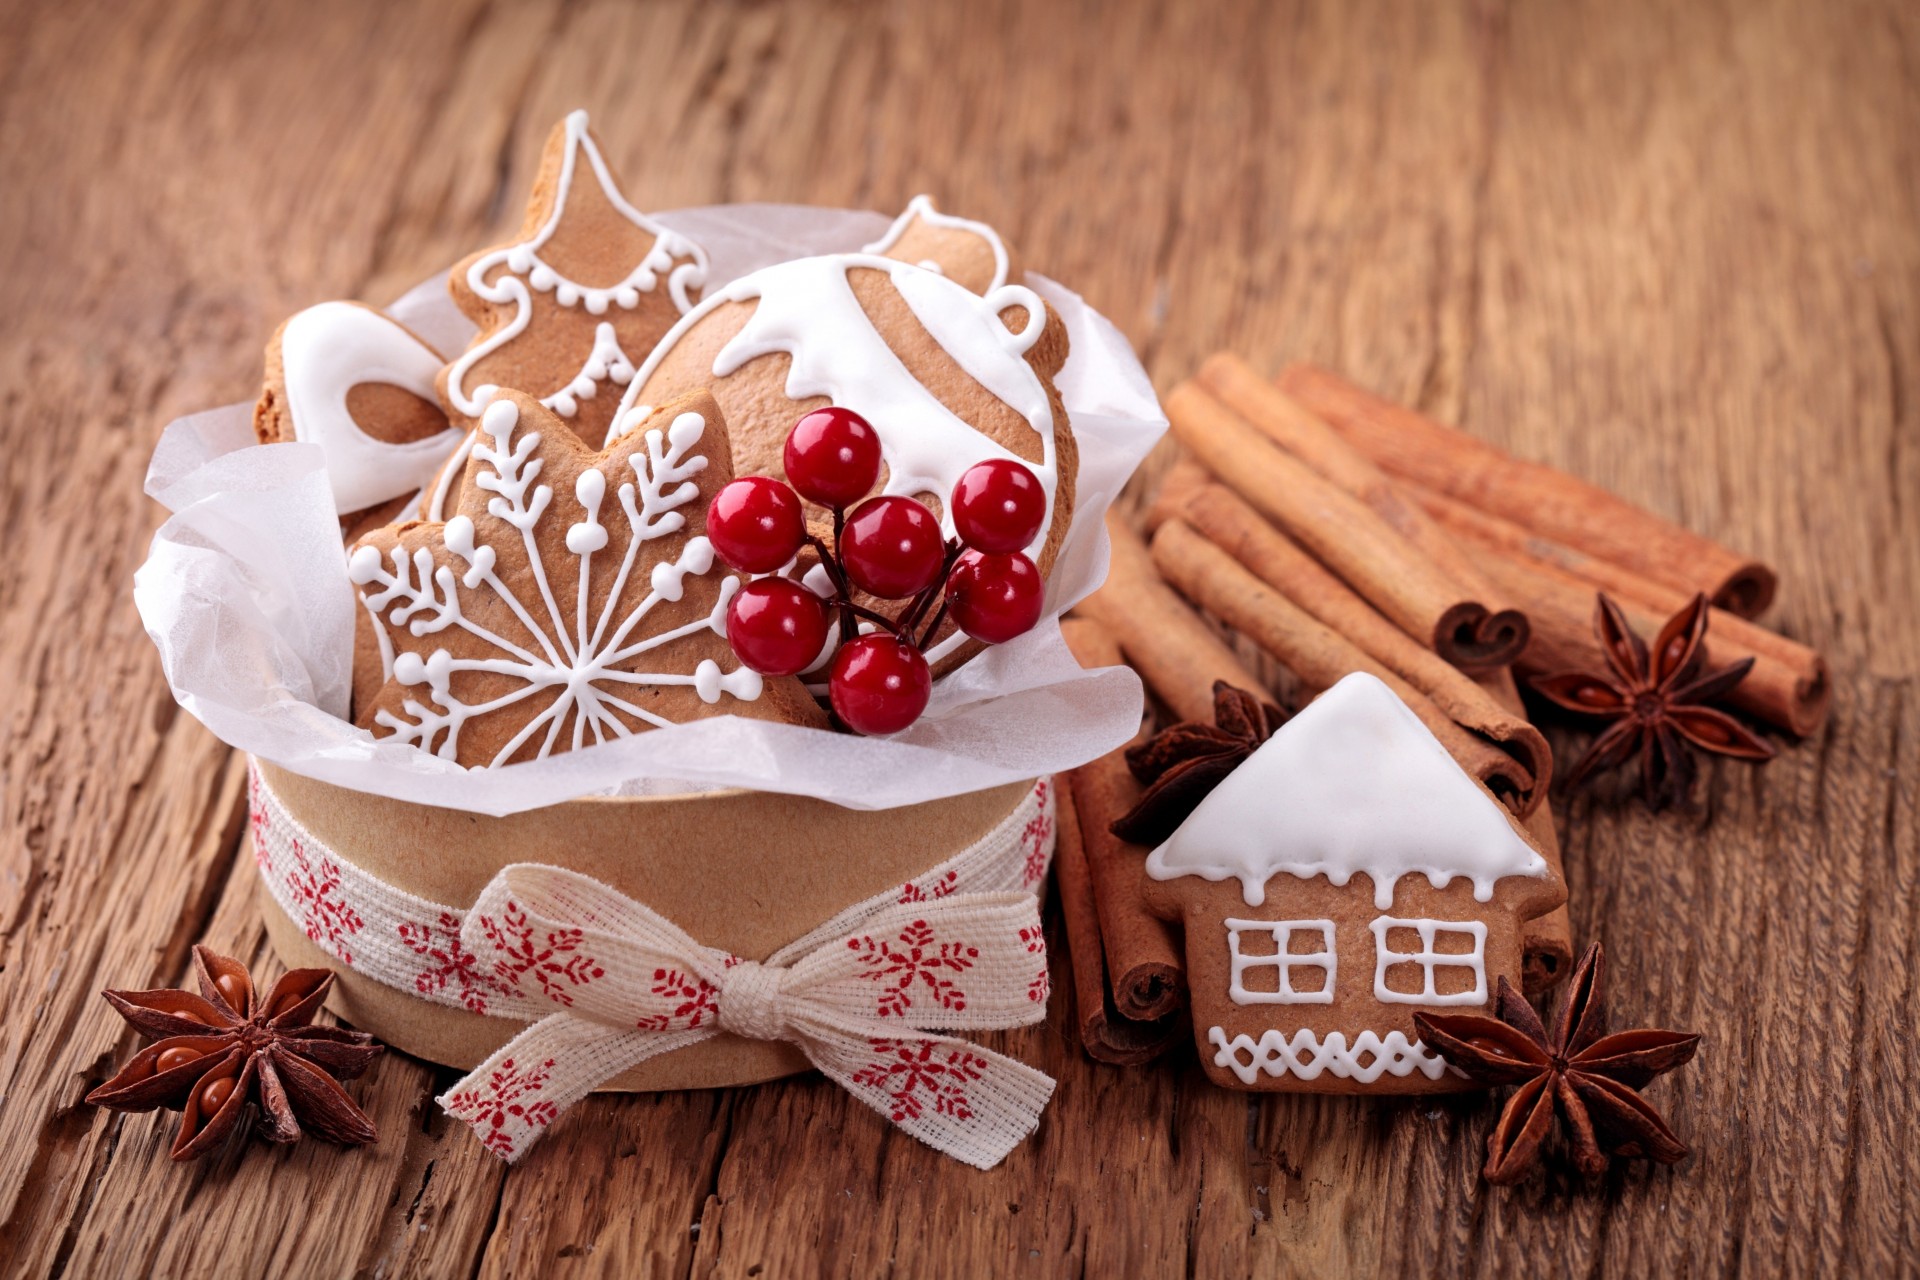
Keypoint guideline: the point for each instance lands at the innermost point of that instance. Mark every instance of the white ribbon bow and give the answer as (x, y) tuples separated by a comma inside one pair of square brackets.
[(627, 984)]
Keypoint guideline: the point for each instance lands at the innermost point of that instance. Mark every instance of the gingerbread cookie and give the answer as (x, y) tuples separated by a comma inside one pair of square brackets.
[(570, 598), (345, 377), (1347, 875), (947, 376), (568, 309)]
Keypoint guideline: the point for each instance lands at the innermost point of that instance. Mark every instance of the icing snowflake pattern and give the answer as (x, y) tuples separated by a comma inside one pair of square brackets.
[(499, 1107), (577, 651), (556, 957), (915, 958), (324, 913), (914, 1074)]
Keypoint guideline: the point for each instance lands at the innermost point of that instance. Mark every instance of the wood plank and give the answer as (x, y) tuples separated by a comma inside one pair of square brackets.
[(1671, 249)]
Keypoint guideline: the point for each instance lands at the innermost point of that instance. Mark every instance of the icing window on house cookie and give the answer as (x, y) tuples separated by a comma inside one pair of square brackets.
[(1280, 946), (1435, 962)]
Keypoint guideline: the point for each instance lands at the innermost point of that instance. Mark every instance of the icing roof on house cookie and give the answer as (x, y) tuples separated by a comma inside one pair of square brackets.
[(1353, 783)]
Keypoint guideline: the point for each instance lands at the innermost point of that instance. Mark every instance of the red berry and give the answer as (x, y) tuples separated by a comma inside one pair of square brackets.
[(776, 627), (879, 684), (995, 597), (998, 506), (892, 547), (833, 456), (755, 524)]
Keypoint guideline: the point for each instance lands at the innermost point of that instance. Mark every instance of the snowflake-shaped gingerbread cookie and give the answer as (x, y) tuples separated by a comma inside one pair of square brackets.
[(571, 599)]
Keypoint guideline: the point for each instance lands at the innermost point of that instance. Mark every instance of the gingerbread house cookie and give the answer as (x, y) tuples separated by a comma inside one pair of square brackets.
[(1347, 875)]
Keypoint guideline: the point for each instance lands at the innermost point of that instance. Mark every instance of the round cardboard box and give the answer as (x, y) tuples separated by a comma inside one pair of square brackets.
[(745, 871)]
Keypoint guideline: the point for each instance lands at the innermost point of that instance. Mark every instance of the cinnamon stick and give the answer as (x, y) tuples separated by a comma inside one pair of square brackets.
[(1546, 945), (1236, 528), (1341, 530), (1175, 652), (1144, 958), (1305, 435), (1448, 460), (1181, 479), (1495, 535), (1217, 582), (1561, 607), (1107, 1036)]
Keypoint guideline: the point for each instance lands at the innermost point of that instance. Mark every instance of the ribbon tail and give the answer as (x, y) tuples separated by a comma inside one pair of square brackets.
[(512, 1097), (959, 1098)]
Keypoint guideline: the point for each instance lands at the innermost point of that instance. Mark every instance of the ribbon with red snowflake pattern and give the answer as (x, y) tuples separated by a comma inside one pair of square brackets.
[(864, 994), (866, 1008)]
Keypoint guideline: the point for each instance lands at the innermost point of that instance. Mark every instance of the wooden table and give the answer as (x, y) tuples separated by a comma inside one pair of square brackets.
[(1672, 248)]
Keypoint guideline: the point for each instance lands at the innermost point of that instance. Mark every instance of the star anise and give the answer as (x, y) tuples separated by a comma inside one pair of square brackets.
[(218, 1050), (1657, 703), (1179, 765), (1591, 1077)]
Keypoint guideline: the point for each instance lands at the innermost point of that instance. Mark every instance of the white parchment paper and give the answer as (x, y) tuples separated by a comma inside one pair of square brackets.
[(246, 596)]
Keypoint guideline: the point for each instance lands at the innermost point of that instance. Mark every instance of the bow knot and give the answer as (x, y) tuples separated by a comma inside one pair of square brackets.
[(752, 1000), (618, 983)]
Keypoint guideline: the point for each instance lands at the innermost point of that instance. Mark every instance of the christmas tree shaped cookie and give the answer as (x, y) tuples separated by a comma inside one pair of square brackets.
[(569, 308), (570, 598)]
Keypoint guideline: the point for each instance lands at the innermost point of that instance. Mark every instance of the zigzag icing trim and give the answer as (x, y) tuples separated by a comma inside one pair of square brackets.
[(1305, 1055)]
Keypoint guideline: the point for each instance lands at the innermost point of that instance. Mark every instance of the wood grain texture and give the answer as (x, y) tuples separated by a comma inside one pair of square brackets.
[(1672, 248)]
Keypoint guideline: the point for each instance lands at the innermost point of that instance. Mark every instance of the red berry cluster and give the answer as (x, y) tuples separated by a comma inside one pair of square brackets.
[(887, 547)]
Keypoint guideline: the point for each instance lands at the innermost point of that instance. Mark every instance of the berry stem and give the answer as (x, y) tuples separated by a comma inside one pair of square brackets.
[(924, 601), (932, 627), (890, 626), (842, 593)]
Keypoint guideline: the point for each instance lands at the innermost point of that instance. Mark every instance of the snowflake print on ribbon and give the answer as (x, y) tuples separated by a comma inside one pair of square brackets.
[(914, 1073), (912, 960), (1042, 986), (696, 1001), (326, 916), (257, 818), (1038, 831), (940, 888), (556, 956), (501, 1099), (480, 619), (454, 970)]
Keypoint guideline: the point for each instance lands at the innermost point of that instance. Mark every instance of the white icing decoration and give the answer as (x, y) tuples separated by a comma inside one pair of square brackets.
[(573, 651), (1305, 1055), (1280, 933), (1428, 959), (326, 351), (921, 208), (807, 309), (525, 267), (606, 363), (1354, 783)]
